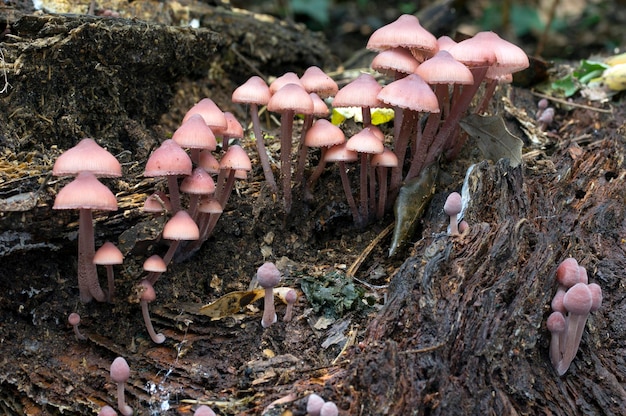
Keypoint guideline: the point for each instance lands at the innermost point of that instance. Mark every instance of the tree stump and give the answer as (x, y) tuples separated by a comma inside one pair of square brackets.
[(464, 332)]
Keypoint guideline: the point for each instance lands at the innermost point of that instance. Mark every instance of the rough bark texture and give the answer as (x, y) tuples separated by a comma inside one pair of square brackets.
[(464, 329)]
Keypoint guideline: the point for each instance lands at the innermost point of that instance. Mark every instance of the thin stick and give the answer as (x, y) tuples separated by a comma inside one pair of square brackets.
[(357, 263)]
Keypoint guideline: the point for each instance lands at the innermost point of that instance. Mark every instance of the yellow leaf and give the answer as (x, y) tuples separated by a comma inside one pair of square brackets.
[(382, 115), (615, 77)]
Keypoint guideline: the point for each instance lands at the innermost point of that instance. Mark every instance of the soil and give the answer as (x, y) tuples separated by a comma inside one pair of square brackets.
[(448, 325)]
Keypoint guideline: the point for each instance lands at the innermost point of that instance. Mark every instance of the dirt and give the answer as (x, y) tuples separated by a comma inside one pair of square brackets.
[(446, 326)]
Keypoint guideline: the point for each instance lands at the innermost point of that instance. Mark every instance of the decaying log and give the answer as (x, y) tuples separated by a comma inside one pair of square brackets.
[(464, 329)]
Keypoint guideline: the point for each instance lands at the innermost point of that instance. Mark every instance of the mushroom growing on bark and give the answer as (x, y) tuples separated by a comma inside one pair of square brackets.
[(452, 208), (108, 255), (120, 373), (85, 193)]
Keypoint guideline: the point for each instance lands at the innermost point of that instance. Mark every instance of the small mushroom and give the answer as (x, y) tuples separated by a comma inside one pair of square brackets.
[(120, 373), (452, 208), (74, 320), (268, 277), (290, 297)]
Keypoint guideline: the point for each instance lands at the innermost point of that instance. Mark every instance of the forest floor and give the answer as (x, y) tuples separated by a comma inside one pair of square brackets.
[(341, 273)]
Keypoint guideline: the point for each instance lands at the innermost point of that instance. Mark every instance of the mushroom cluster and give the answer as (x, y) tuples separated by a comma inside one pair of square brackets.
[(429, 79), (574, 300)]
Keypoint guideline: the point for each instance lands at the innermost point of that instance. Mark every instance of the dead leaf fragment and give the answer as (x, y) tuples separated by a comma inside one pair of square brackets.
[(493, 138)]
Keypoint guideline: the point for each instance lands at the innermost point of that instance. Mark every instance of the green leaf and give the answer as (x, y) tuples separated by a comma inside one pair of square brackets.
[(332, 295), (567, 85)]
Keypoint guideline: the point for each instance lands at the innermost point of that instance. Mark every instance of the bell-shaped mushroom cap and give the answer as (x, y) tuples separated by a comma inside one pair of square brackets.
[(314, 404), (329, 409), (284, 79), (210, 112), (234, 129), (120, 371), (453, 204), (204, 410), (406, 32), (147, 291), (444, 69), (208, 162), (168, 159), (445, 43), (291, 97), (320, 109), (107, 411), (395, 60), (596, 296), (195, 134), (85, 192), (568, 273), (210, 205), (181, 227), (155, 263), (410, 92), (340, 153), (87, 156), (198, 183), (236, 158), (476, 51), (578, 299), (317, 81), (360, 92), (323, 133), (365, 141), (387, 159), (253, 91), (268, 275), (108, 254), (157, 202), (510, 58)]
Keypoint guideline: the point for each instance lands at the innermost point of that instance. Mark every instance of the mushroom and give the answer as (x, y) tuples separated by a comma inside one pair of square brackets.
[(322, 134), (108, 255), (120, 373), (255, 92), (329, 409), (197, 184), (268, 276), (74, 320), (340, 154), (289, 100), (452, 208), (578, 302), (290, 297), (314, 404), (86, 194), (146, 296), (204, 410), (382, 162), (180, 227), (194, 134), (556, 325), (170, 161), (107, 411)]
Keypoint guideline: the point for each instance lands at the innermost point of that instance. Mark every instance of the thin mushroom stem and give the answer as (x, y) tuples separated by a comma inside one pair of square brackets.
[(260, 145), (348, 191), (88, 285)]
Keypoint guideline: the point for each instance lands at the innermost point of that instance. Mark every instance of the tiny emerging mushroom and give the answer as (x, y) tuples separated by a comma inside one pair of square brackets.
[(290, 297), (452, 208), (120, 373), (148, 295), (74, 320)]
